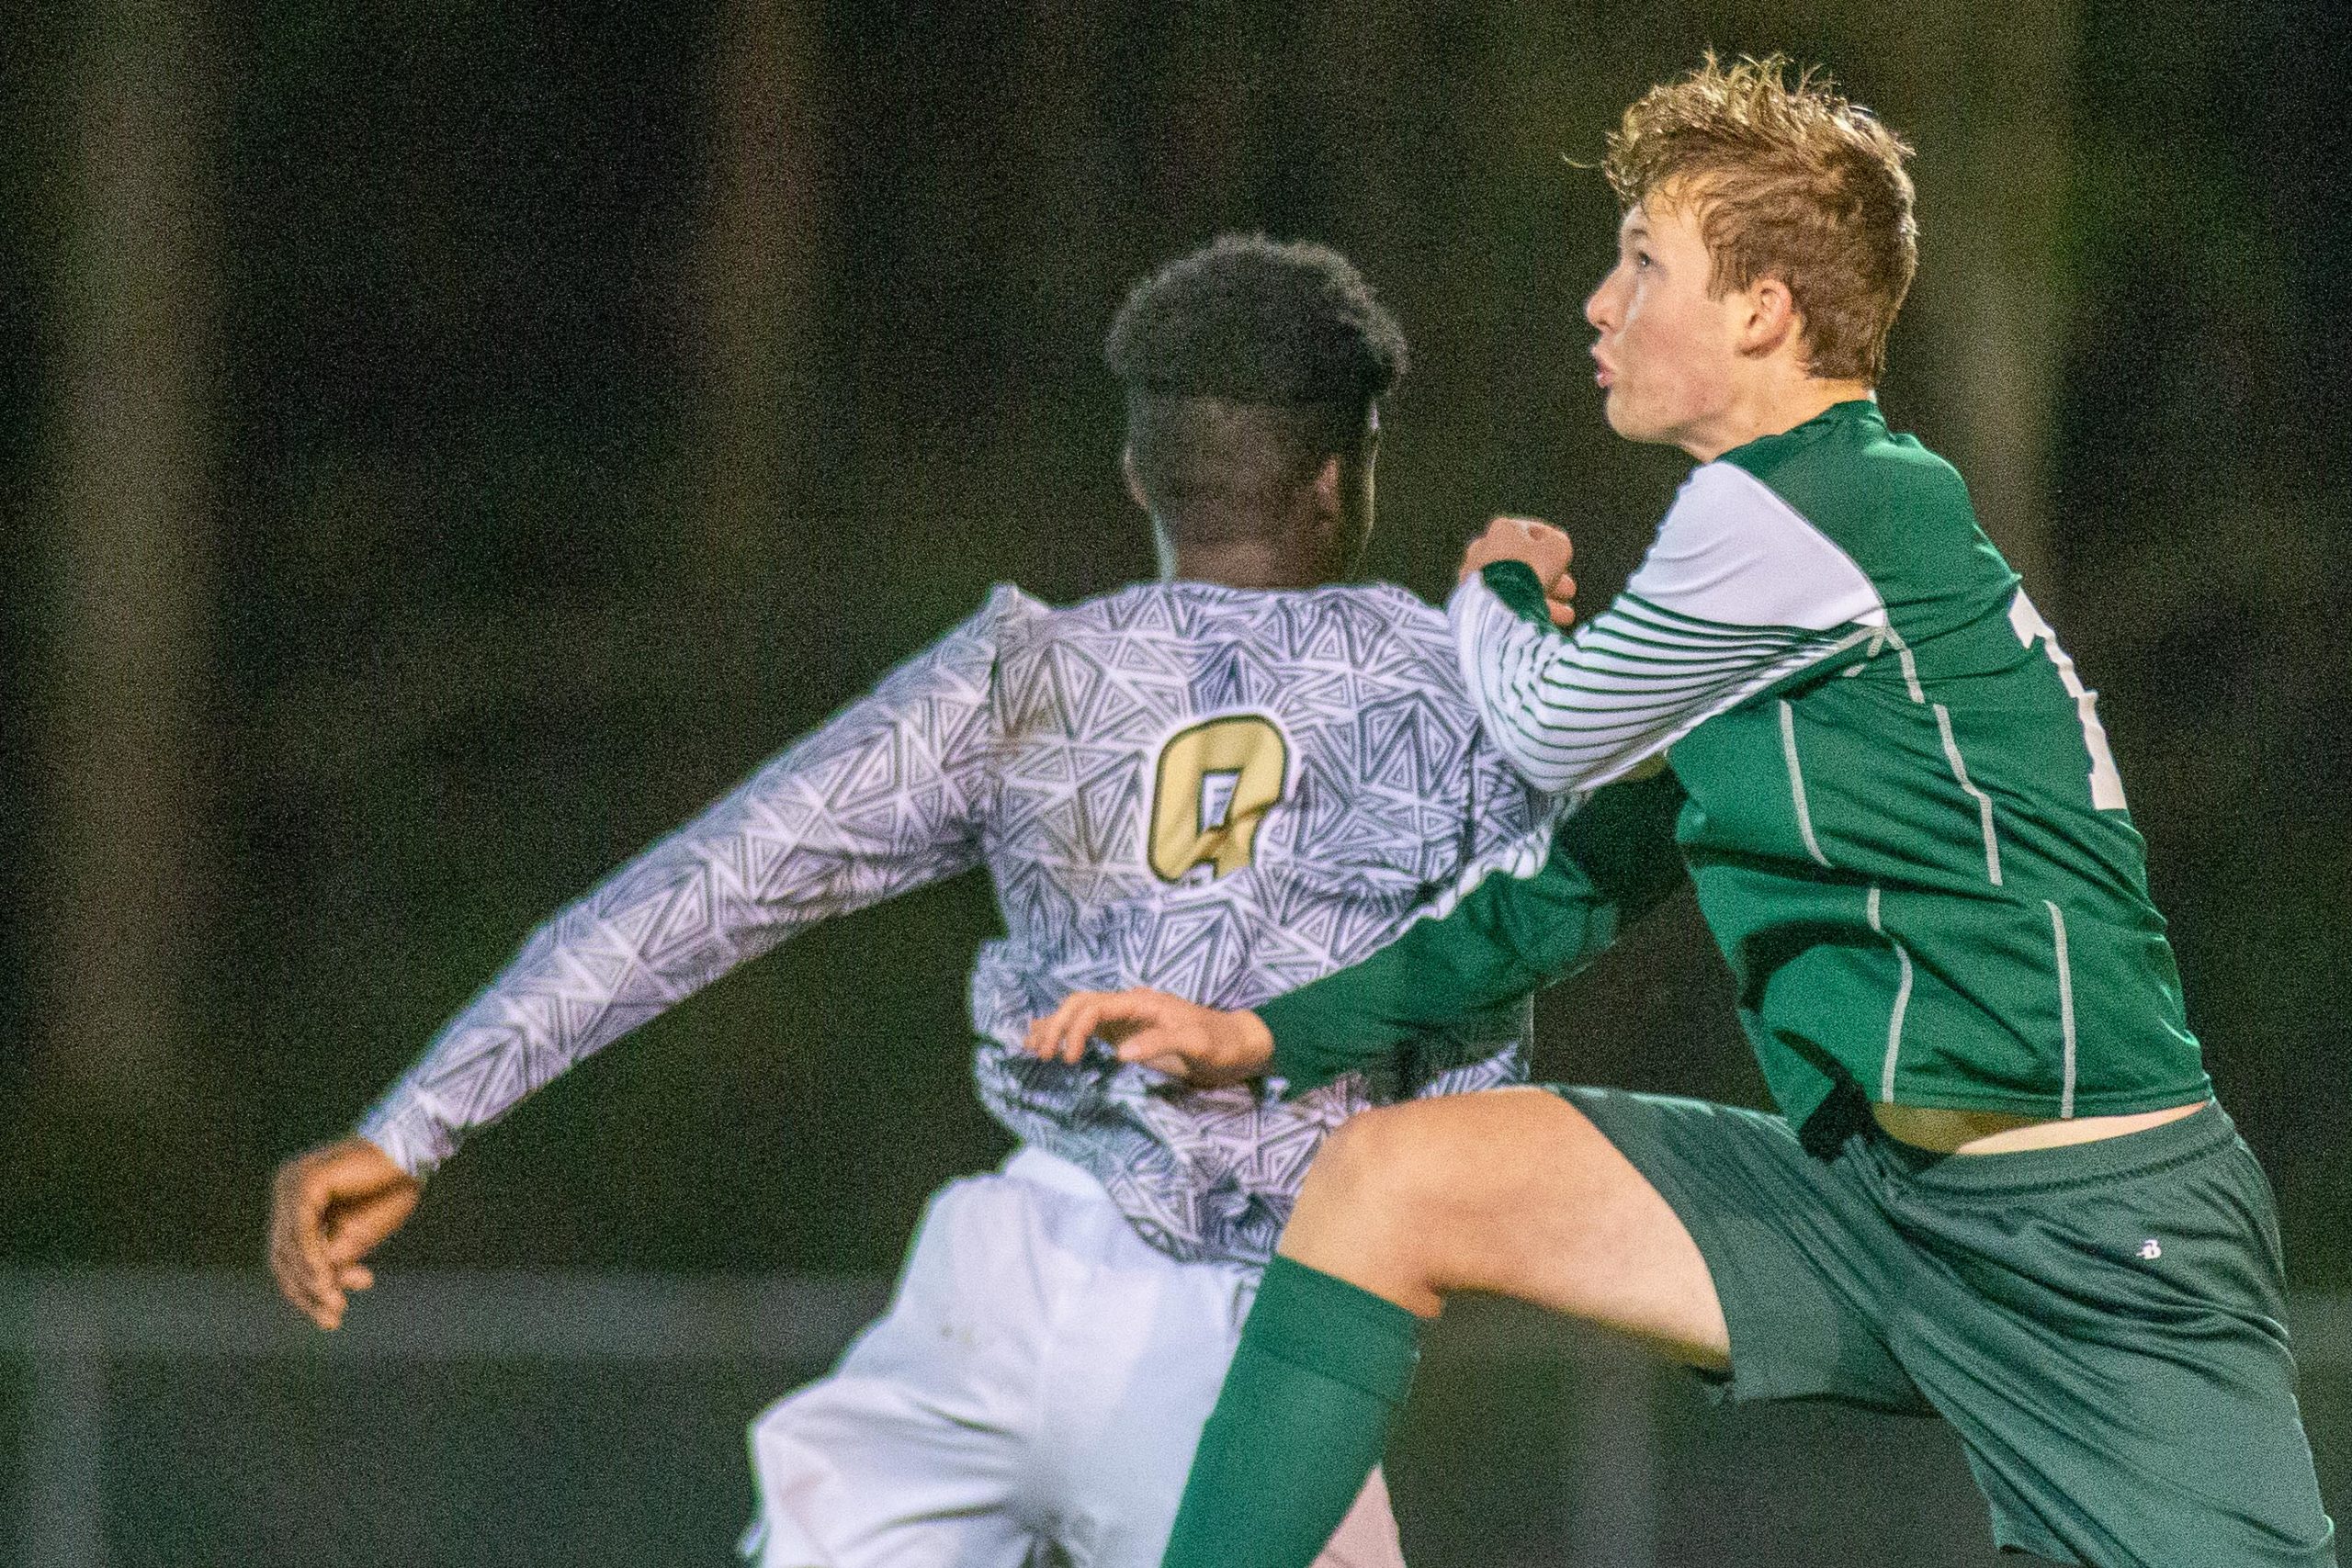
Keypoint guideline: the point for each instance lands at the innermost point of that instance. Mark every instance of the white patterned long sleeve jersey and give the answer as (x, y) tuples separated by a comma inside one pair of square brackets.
[(1218, 792)]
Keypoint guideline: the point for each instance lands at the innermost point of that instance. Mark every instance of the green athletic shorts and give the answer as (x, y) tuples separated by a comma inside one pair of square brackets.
[(2100, 1322)]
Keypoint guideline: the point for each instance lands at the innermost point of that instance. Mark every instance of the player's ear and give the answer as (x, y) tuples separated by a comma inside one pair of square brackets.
[(1772, 317), (1327, 488), (1326, 511), (1128, 471)]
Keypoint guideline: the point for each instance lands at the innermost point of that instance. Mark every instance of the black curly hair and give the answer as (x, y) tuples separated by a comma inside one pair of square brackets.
[(1248, 364)]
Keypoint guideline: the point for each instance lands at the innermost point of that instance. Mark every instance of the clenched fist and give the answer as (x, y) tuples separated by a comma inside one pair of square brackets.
[(1545, 548)]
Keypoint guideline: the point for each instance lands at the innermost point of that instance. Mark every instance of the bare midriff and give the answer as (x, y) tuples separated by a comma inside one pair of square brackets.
[(1995, 1132)]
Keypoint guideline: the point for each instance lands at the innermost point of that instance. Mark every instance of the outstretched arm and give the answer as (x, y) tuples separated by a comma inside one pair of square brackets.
[(882, 798), (887, 795), (1512, 930)]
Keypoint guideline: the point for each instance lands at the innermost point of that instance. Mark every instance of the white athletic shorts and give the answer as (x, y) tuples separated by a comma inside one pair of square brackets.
[(1031, 1400)]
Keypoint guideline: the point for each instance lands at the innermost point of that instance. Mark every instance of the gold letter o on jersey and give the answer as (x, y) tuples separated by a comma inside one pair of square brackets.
[(1215, 781)]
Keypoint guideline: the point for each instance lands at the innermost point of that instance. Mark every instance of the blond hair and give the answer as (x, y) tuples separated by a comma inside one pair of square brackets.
[(1788, 181)]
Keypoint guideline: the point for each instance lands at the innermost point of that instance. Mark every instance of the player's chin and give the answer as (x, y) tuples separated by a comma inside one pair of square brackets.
[(1624, 416)]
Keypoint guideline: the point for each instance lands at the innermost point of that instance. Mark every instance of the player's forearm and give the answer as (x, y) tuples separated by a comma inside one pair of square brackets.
[(1608, 864), (811, 835), (653, 936), (758, 867)]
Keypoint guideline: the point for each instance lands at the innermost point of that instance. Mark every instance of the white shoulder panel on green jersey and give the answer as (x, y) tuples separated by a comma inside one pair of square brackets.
[(1731, 551), (1738, 590)]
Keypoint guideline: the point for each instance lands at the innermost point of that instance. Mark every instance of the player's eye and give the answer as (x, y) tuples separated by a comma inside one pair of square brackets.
[(1640, 258)]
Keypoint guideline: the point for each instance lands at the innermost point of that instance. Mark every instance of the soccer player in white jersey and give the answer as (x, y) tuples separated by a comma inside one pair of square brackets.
[(1224, 785), (1998, 1189)]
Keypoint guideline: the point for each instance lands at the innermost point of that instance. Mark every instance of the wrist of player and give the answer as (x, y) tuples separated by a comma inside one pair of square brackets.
[(1250, 1043), (1209, 1047)]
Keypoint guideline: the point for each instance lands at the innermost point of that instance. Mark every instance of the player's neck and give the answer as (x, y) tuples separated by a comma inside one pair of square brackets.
[(1248, 562), (1773, 405), (1246, 567)]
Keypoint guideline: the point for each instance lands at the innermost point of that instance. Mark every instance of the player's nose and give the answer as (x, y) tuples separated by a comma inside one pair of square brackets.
[(1599, 304)]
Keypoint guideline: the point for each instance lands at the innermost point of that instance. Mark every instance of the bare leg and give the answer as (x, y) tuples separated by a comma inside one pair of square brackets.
[(1511, 1192), (1514, 1193)]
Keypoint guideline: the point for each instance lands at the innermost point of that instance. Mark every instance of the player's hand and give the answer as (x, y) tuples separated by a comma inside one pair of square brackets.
[(329, 1209), (1541, 546), (1184, 1040)]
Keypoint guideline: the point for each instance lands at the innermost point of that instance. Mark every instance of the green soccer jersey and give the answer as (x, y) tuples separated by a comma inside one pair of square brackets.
[(1902, 819)]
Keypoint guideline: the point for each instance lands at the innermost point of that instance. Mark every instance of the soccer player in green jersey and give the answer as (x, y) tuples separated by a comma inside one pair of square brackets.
[(1999, 1188)]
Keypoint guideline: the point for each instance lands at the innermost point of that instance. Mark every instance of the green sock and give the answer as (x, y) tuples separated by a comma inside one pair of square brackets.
[(1322, 1367)]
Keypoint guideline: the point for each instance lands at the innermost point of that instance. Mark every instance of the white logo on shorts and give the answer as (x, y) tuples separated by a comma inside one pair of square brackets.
[(2149, 1250)]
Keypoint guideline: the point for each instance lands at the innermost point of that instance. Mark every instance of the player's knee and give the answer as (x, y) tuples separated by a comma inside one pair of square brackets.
[(1376, 1166)]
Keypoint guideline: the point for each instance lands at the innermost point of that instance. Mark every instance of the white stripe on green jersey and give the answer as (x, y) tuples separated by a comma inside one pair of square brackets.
[(1218, 792)]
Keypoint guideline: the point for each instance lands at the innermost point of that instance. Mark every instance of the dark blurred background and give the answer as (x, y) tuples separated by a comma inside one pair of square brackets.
[(444, 445)]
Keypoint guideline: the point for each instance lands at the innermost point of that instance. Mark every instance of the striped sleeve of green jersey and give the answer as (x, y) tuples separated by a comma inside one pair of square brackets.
[(1738, 591), (1505, 931)]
